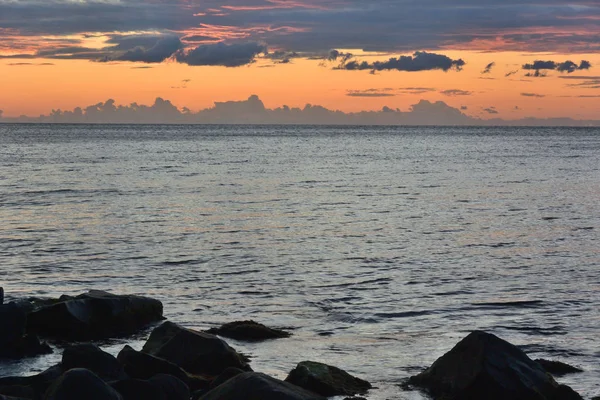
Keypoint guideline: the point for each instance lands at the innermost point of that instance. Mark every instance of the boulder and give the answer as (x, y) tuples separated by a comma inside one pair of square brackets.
[(79, 384), (20, 392), (248, 331), (91, 357), (4, 397), (226, 375), (141, 365), (483, 366), (326, 380), (196, 352), (1, 295), (173, 388), (138, 389), (14, 342), (557, 368), (94, 315), (257, 386), (36, 384)]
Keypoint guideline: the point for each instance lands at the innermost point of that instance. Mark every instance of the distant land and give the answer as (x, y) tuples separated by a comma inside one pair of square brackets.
[(253, 111)]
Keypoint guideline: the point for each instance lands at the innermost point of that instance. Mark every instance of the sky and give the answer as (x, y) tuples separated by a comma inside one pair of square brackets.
[(487, 59)]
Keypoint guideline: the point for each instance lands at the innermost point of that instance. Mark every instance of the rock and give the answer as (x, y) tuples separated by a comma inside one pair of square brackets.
[(248, 331), (196, 352), (557, 368), (483, 366), (140, 365), (37, 384), (3, 397), (20, 392), (79, 384), (14, 342), (91, 357), (94, 315), (138, 389), (1, 295), (174, 389), (253, 385), (326, 380), (226, 375)]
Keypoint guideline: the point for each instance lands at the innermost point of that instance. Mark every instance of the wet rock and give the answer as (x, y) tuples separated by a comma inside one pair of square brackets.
[(225, 376), (91, 357), (483, 366), (248, 331), (94, 315), (5, 397), (79, 384), (326, 380), (36, 384), (196, 352), (21, 392), (557, 368), (1, 295), (173, 388), (253, 385), (141, 365), (14, 342), (137, 389)]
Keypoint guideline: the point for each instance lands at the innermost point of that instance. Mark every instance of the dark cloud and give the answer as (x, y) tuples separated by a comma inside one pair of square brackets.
[(456, 92), (490, 110), (532, 95), (488, 68), (227, 55), (536, 74), (464, 108), (162, 49), (385, 92), (312, 26), (510, 73), (17, 64), (566, 66), (419, 61)]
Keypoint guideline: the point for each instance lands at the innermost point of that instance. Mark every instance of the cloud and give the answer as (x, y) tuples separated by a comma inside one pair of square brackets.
[(456, 92), (20, 64), (227, 55), (488, 68), (510, 73), (566, 66), (532, 95), (419, 61), (536, 74), (464, 108), (385, 92), (490, 110), (163, 48)]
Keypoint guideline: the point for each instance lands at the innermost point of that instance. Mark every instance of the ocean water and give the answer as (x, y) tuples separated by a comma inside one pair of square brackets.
[(379, 247)]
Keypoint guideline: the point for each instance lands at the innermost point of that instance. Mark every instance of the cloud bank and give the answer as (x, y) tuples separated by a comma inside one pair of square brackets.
[(253, 111)]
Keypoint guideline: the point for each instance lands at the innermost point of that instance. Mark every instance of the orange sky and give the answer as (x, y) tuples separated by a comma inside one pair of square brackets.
[(36, 89)]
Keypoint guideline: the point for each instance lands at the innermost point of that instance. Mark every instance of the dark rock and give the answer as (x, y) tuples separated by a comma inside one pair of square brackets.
[(257, 386), (248, 331), (21, 392), (557, 368), (1, 295), (355, 398), (80, 384), (14, 342), (91, 357), (174, 389), (483, 366), (138, 389), (225, 376), (4, 397), (94, 315), (37, 384), (140, 365), (326, 380), (196, 352)]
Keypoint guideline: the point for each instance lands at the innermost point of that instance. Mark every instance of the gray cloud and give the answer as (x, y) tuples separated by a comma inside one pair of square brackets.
[(456, 92), (532, 95), (385, 92), (419, 61), (227, 55), (488, 68), (566, 66), (163, 48), (490, 110)]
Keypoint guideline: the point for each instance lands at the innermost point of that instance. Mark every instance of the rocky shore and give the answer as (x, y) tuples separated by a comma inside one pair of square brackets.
[(177, 363)]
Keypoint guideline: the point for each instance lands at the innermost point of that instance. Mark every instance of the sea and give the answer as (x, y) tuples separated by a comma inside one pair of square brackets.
[(378, 247)]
